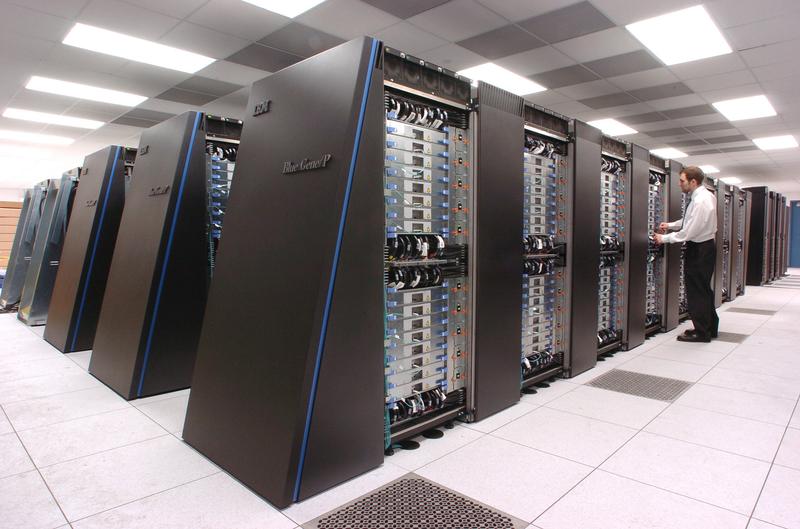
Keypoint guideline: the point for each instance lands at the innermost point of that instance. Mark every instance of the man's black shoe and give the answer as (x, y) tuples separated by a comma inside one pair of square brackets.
[(692, 332), (693, 338)]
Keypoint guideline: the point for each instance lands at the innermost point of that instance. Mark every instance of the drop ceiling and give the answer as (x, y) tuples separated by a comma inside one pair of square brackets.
[(593, 68)]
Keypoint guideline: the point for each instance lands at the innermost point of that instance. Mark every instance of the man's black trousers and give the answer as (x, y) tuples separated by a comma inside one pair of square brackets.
[(698, 269)]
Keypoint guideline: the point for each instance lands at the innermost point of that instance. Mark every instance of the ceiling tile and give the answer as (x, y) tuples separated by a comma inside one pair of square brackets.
[(697, 110), (714, 82), (127, 18), (567, 23), (452, 57), (770, 31), (623, 64), (150, 115), (63, 8), (458, 20), (711, 66), (728, 139), (610, 100), (739, 149), (624, 12), (569, 108), (704, 151), (501, 42), (661, 91), (409, 38), (535, 61), (406, 8), (547, 98), (774, 53), (300, 40), (348, 19), (721, 125), (600, 87), (42, 102), (667, 132), (634, 81), (732, 92), (676, 102), (230, 106), (173, 8), (28, 50), (686, 143), (232, 72), (777, 71), (571, 75), (263, 58), (145, 79), (207, 86), (238, 18), (725, 16), (606, 43), (647, 117), (134, 122), (186, 96), (17, 20), (199, 39)]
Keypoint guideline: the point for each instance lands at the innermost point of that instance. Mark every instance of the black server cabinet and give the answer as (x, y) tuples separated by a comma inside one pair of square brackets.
[(771, 229), (724, 195), (780, 236), (22, 247), (86, 255), (658, 195), (741, 225), (46, 255), (758, 242), (674, 303), (784, 268), (636, 248), (152, 309)]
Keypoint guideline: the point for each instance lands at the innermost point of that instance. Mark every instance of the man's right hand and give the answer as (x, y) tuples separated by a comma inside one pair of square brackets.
[(663, 227)]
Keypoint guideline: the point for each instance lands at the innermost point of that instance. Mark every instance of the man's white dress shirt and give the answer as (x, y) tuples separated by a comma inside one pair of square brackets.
[(699, 222)]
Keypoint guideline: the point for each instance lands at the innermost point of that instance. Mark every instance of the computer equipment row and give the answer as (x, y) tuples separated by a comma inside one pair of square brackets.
[(727, 240), (657, 207)]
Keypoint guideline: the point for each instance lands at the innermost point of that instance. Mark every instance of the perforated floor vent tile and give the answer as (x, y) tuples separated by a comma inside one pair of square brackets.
[(745, 310), (412, 502), (641, 385)]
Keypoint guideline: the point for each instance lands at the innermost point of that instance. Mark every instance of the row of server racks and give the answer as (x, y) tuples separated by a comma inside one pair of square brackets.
[(767, 254), (403, 249)]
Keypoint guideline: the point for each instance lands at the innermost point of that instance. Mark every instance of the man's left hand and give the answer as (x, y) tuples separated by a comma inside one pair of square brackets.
[(658, 238)]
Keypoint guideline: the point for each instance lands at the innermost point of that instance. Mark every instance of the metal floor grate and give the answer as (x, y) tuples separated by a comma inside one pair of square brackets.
[(415, 503), (641, 385), (745, 310)]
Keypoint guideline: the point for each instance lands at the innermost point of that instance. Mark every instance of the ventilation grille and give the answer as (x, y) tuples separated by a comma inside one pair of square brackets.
[(641, 385), (500, 99)]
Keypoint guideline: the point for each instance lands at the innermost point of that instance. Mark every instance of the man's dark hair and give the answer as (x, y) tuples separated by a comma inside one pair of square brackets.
[(693, 172)]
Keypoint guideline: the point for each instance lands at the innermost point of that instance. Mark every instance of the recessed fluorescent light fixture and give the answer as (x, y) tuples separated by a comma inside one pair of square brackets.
[(668, 153), (135, 49), (501, 78), (745, 108), (775, 142), (52, 119), (287, 8), (612, 127), (83, 91), (731, 180), (681, 36), (709, 169), (29, 137)]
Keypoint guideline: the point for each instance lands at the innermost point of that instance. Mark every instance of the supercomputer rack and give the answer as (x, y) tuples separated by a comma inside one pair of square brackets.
[(772, 237), (725, 226), (739, 241), (46, 256), (658, 195), (787, 213), (152, 310), (758, 242), (675, 303), (222, 145), (779, 267), (22, 247), (87, 250)]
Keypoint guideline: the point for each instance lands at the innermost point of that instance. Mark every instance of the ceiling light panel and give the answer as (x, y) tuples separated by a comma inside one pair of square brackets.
[(612, 127), (287, 8), (681, 36), (775, 142), (501, 78), (51, 119), (29, 137), (709, 169), (668, 153), (83, 91), (745, 108), (135, 49)]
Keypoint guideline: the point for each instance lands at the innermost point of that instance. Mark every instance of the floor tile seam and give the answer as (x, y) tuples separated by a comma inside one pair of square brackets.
[(701, 445), (779, 526), (100, 384), (72, 459), (138, 405), (680, 361), (12, 380), (743, 390), (35, 468), (604, 420), (389, 459), (741, 370), (737, 416), (150, 495), (683, 495), (766, 478), (535, 407), (153, 420), (69, 420)]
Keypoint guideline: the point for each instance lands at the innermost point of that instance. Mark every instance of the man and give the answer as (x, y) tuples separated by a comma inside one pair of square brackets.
[(697, 229)]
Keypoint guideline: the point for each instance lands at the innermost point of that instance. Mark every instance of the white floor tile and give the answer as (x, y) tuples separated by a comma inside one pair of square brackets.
[(716, 430), (605, 501), (666, 368), (501, 418), (717, 346), (25, 503), (38, 330), (686, 355), (432, 449), (571, 436), (609, 406), (722, 479), (591, 374), (752, 382), (346, 492), (210, 503), (59, 408), (750, 364), (5, 426), (545, 395), (778, 502), (99, 482), (515, 479), (169, 413), (754, 406), (13, 458), (36, 387), (81, 358), (162, 396), (795, 422), (63, 441), (758, 524), (789, 452), (36, 368)]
